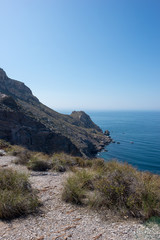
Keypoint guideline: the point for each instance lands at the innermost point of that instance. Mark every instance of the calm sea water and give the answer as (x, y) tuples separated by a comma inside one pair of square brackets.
[(141, 128)]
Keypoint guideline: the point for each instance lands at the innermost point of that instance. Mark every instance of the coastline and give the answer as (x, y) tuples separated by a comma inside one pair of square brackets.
[(142, 128)]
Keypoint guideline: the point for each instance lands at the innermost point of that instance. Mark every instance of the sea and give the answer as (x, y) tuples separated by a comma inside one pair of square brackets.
[(138, 134)]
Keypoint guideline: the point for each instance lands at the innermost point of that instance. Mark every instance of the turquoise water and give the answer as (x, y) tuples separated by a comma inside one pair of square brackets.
[(141, 128)]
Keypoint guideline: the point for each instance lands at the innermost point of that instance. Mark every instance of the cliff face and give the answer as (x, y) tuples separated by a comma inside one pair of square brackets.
[(20, 128), (26, 121), (15, 88)]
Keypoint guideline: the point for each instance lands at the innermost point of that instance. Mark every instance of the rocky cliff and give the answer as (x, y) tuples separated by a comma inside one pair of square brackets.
[(26, 121)]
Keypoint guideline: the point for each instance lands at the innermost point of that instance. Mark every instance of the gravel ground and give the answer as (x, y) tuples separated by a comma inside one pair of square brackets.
[(59, 220)]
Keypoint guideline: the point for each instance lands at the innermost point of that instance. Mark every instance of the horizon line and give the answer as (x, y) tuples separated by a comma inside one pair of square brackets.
[(105, 110)]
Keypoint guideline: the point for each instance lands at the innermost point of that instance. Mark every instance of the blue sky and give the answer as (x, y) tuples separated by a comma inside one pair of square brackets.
[(84, 54)]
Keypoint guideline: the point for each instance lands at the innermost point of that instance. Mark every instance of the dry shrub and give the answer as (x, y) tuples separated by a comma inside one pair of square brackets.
[(23, 157), (5, 145), (76, 185), (35, 161), (39, 162), (62, 162), (16, 195), (38, 165), (118, 187)]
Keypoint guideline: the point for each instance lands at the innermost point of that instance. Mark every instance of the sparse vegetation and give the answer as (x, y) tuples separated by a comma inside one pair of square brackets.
[(112, 185), (23, 156), (38, 161), (62, 162), (36, 164), (16, 195), (115, 186), (77, 185), (5, 145), (33, 160)]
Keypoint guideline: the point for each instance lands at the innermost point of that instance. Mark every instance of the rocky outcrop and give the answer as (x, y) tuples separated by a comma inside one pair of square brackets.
[(107, 133), (17, 127), (83, 120), (15, 88), (26, 121)]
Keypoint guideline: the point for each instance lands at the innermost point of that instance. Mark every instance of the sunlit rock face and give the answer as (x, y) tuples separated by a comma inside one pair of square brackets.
[(15, 88)]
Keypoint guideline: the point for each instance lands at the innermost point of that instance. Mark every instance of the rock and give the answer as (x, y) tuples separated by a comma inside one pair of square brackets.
[(15, 89), (113, 141), (25, 121), (17, 127), (2, 74), (105, 150), (84, 120), (2, 153), (107, 133)]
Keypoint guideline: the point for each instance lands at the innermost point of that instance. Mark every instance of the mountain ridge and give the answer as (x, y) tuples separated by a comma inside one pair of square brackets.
[(76, 134)]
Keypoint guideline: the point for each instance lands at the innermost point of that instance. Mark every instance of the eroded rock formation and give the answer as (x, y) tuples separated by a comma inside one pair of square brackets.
[(26, 121)]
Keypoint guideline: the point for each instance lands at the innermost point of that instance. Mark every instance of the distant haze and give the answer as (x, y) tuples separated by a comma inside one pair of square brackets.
[(86, 54)]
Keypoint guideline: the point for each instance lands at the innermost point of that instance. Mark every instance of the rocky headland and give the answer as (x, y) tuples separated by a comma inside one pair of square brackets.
[(25, 121)]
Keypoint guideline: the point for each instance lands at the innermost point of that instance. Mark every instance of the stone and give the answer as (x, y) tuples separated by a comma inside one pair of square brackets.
[(105, 150), (2, 153), (107, 133)]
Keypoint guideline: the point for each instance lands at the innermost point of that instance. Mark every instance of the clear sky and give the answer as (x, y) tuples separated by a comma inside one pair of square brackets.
[(84, 54)]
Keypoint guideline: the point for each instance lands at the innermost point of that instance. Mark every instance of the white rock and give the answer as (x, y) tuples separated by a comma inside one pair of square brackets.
[(2, 152)]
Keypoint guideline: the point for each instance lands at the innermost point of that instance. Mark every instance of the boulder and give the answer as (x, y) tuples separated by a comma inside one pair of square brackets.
[(107, 133)]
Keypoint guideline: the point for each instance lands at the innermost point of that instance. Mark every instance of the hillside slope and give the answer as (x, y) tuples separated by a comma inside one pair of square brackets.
[(26, 121)]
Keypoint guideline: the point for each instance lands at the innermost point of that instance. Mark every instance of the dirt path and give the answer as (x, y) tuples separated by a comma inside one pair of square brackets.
[(59, 220)]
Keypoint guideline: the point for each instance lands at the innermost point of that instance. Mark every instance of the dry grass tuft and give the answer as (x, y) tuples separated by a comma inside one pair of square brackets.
[(76, 186), (115, 186), (5, 145), (16, 195), (34, 161), (63, 162)]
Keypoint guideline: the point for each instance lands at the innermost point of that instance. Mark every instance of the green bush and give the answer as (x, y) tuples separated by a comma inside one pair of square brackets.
[(38, 165), (115, 186), (75, 187), (16, 195)]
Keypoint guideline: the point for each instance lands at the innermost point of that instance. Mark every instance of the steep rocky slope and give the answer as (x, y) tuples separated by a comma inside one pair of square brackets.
[(26, 121)]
